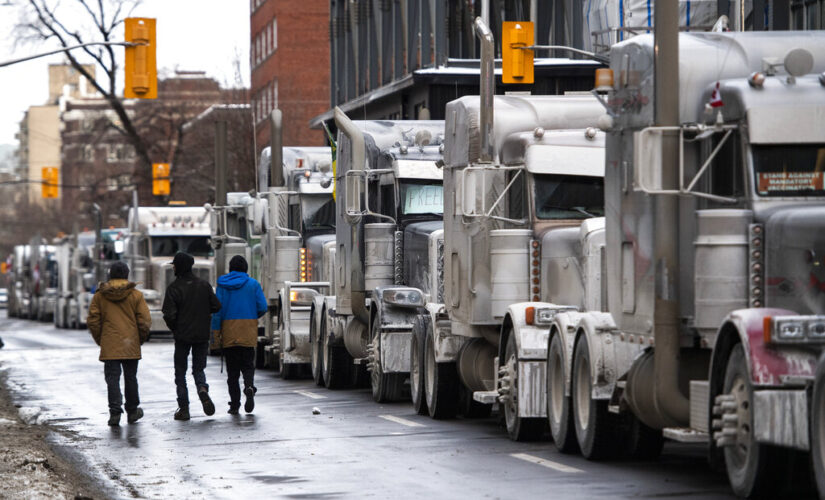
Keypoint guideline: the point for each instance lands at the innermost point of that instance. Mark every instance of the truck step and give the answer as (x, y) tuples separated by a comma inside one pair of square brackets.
[(486, 397), (685, 435)]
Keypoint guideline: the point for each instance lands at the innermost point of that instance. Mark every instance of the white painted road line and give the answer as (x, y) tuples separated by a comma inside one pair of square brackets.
[(310, 395), (545, 463), (402, 421)]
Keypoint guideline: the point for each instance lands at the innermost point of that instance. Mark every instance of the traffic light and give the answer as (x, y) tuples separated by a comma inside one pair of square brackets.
[(160, 179), (141, 80), (50, 182), (516, 63)]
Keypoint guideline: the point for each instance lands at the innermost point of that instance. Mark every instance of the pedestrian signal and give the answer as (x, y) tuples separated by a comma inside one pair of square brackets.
[(50, 182), (141, 79), (516, 61), (160, 179)]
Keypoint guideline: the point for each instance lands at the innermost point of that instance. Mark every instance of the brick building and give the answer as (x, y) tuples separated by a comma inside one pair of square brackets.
[(289, 57)]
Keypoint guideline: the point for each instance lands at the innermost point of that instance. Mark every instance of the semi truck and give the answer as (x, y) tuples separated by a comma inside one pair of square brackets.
[(155, 235), (300, 222), (41, 285), (389, 201), (714, 313), (20, 272)]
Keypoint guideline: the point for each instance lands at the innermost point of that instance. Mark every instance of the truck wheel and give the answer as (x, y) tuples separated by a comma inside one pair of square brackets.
[(559, 415), (753, 469), (336, 362), (518, 428), (386, 387), (594, 425), (440, 384), (315, 348), (643, 442), (818, 428), (290, 371), (419, 334)]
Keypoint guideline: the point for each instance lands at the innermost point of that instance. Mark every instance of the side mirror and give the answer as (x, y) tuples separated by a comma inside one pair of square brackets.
[(647, 160), (88, 281), (355, 187), (469, 185), (258, 214)]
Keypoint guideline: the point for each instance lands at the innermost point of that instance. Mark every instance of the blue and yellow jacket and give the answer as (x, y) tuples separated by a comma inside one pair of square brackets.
[(243, 302)]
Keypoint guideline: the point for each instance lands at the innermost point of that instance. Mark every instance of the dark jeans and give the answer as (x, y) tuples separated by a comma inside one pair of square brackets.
[(199, 352), (239, 360), (111, 371)]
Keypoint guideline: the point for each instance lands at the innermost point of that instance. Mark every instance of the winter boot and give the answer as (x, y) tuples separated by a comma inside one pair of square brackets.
[(206, 401), (182, 413), (114, 418), (134, 415), (233, 408), (249, 405)]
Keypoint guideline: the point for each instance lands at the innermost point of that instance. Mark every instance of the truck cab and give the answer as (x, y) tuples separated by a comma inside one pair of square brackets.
[(156, 234), (389, 205)]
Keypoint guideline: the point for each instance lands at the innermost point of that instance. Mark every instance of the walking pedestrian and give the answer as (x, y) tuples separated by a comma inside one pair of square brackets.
[(187, 306), (119, 322), (236, 326)]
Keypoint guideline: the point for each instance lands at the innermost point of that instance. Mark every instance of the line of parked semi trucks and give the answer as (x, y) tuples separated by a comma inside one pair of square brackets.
[(510, 257)]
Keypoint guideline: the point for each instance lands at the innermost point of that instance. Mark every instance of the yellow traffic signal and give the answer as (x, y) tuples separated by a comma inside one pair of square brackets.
[(160, 179), (141, 80), (49, 182), (516, 63)]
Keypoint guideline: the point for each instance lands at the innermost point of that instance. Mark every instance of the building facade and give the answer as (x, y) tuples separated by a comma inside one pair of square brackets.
[(289, 60)]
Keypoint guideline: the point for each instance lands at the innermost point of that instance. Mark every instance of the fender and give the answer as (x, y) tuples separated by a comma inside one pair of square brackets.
[(598, 329), (317, 308), (769, 366), (393, 316), (564, 324), (447, 345)]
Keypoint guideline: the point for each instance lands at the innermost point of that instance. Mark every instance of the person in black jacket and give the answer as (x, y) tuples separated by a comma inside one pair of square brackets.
[(187, 310)]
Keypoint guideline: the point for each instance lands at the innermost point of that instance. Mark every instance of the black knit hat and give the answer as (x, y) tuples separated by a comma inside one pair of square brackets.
[(119, 271), (238, 263), (182, 263)]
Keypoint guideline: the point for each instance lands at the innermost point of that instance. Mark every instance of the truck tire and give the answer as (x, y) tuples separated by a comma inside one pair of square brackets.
[(559, 413), (386, 387), (336, 362), (818, 427), (315, 347), (642, 442), (754, 470), (440, 384), (518, 428), (419, 335), (290, 371), (595, 426)]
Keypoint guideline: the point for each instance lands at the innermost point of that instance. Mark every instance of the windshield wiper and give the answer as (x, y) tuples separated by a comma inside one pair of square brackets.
[(581, 210)]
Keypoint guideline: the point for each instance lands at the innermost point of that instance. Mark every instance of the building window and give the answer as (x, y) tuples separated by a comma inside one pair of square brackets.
[(273, 27), (808, 14)]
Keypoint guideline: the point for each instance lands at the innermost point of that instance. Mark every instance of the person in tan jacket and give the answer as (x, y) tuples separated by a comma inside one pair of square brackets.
[(119, 322)]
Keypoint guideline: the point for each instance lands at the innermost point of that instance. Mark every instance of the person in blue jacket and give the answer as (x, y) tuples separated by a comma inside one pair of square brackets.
[(235, 329)]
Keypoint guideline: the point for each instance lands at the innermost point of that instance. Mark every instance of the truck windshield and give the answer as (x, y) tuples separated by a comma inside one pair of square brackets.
[(168, 246), (789, 169), (568, 196), (421, 198), (318, 212)]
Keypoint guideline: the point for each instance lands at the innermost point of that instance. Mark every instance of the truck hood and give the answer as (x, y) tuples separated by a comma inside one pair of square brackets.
[(795, 259)]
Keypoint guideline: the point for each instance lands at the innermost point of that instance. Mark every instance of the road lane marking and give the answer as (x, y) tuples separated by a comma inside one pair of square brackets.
[(310, 395), (402, 421), (545, 463)]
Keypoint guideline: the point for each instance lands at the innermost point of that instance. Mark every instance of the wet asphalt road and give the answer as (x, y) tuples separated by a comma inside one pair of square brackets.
[(355, 447)]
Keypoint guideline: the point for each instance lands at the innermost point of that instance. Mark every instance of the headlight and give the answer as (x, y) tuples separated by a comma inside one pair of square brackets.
[(404, 297), (795, 329), (301, 296)]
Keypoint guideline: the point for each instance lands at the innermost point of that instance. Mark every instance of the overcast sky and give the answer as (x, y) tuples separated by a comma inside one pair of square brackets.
[(205, 35)]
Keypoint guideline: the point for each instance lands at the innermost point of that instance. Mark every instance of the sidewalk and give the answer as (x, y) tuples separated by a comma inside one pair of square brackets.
[(29, 467)]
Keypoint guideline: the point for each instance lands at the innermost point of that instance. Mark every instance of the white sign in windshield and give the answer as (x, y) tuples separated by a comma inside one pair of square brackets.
[(424, 199)]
